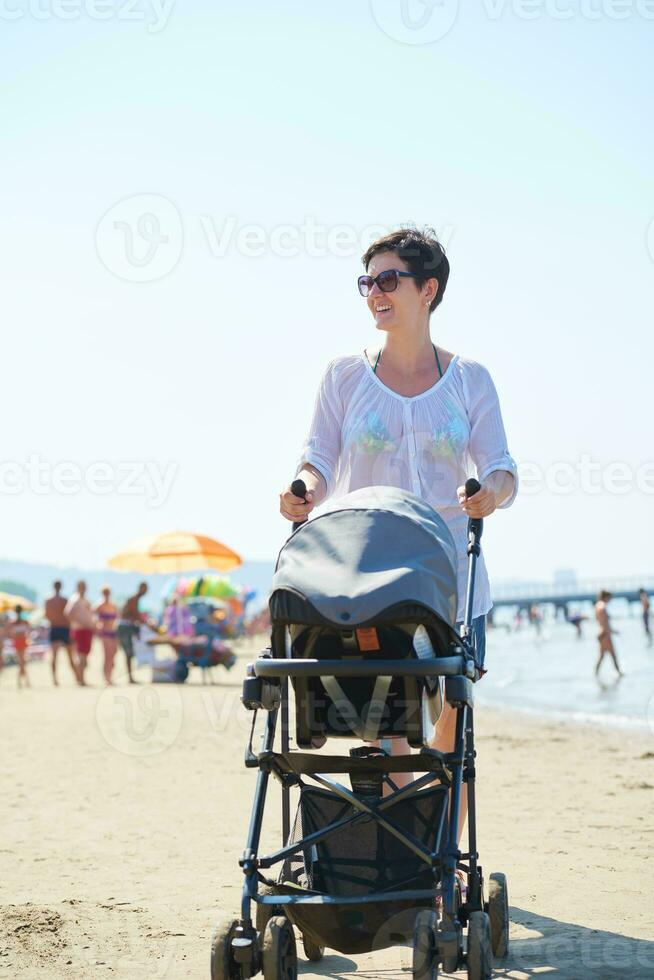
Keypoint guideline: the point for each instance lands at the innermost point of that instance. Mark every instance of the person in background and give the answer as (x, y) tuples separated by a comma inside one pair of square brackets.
[(82, 623), (4, 635), (106, 615), (19, 631), (536, 618), (129, 626), (605, 635), (177, 618), (576, 619), (644, 601), (55, 613)]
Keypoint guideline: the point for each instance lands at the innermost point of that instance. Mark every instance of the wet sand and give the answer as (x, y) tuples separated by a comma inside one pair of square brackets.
[(123, 812)]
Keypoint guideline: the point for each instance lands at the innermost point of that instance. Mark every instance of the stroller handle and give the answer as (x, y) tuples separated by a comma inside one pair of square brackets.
[(473, 550), (299, 488), (427, 667), (472, 487)]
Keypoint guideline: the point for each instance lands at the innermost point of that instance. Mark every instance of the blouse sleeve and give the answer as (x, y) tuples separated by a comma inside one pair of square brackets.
[(488, 446), (322, 447)]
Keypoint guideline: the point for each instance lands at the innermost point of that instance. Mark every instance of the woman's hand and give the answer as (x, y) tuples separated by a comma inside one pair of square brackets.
[(481, 504), (496, 488), (294, 508)]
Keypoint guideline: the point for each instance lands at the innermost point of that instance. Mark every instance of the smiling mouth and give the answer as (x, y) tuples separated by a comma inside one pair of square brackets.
[(383, 309)]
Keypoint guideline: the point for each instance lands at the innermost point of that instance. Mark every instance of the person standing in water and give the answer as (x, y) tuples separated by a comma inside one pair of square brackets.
[(605, 635), (55, 613), (644, 601)]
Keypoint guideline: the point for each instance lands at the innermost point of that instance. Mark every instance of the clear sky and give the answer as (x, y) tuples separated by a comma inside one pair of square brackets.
[(187, 188)]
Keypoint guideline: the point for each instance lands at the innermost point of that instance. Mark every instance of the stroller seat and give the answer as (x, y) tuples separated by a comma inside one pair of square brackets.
[(374, 578), (369, 708)]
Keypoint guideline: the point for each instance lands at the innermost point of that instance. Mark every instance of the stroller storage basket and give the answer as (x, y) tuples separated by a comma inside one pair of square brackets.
[(360, 860)]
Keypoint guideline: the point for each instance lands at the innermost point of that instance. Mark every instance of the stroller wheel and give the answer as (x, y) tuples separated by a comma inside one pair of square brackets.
[(452, 956), (498, 910), (265, 913), (312, 950), (279, 953), (425, 949), (480, 953), (223, 965)]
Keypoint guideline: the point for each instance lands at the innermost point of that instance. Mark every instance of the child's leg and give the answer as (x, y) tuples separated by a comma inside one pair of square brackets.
[(22, 670)]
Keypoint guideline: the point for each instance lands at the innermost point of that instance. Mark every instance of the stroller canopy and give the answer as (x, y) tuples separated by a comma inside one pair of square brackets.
[(374, 550)]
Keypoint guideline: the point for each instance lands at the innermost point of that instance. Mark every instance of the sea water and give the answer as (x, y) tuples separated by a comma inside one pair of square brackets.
[(552, 672)]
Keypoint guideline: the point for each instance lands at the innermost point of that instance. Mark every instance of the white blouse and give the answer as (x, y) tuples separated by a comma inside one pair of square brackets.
[(364, 434)]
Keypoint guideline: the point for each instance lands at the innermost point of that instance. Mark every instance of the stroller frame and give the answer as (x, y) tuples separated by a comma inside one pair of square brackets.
[(239, 948)]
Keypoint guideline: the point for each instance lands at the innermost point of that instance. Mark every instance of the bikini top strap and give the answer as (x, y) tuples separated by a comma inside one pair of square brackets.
[(440, 371), (438, 363)]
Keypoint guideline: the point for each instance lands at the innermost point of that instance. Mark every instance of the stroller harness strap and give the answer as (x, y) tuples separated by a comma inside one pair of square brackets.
[(366, 726)]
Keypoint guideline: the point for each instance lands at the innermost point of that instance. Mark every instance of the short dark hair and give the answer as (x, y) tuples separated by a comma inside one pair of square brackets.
[(422, 252)]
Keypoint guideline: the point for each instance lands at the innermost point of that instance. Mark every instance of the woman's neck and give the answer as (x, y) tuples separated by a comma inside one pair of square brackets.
[(408, 352)]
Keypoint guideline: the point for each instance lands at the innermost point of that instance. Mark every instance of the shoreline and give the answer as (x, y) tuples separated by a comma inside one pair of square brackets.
[(574, 718)]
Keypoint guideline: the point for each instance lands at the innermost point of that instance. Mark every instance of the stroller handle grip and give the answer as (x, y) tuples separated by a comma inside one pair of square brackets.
[(299, 488), (472, 487), (427, 667)]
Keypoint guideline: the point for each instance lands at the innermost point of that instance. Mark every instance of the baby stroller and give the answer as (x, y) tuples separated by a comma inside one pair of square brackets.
[(363, 608)]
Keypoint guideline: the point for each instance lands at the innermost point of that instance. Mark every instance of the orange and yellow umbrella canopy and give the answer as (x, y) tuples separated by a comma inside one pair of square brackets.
[(9, 602), (175, 551)]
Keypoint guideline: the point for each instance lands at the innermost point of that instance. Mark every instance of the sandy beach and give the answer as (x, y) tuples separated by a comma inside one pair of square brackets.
[(124, 811)]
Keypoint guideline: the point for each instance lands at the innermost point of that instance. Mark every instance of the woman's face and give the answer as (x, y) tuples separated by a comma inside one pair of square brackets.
[(406, 304)]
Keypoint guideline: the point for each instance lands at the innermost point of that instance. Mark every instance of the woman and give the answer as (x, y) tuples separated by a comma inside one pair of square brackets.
[(106, 615), (605, 634), (412, 415), (19, 630)]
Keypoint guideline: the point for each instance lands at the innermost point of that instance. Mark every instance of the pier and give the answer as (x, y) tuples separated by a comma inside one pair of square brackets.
[(562, 594)]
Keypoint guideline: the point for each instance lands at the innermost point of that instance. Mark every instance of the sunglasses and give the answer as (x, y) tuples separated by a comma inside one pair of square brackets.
[(388, 281)]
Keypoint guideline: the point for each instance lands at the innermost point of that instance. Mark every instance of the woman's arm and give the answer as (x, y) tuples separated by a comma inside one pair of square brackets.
[(320, 454), (496, 469)]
